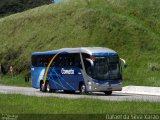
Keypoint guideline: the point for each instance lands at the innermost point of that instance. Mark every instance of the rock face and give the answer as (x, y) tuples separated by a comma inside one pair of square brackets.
[(8, 7)]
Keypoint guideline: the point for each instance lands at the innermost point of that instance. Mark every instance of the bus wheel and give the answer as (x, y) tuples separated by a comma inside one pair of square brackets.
[(42, 87), (48, 87), (83, 89), (108, 93)]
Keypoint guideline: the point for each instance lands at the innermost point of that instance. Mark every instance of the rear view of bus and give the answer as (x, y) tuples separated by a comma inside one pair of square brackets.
[(98, 70)]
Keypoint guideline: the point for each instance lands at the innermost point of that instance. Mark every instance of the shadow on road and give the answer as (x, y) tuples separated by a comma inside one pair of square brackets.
[(92, 94)]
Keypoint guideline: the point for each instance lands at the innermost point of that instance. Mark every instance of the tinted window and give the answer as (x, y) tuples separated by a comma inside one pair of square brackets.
[(66, 60), (104, 68), (41, 60), (61, 60)]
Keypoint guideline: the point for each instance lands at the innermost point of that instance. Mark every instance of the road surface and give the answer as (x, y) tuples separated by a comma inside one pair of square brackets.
[(116, 96)]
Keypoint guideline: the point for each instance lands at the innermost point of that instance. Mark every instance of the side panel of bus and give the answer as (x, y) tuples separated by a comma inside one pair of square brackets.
[(39, 65), (37, 74), (65, 72), (61, 80)]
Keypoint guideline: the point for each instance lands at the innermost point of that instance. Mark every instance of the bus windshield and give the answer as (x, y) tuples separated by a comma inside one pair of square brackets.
[(105, 68)]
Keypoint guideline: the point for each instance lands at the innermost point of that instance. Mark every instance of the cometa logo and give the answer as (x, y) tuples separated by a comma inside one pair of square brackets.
[(70, 71)]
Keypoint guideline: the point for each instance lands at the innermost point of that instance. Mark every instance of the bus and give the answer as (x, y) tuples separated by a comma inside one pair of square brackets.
[(84, 69)]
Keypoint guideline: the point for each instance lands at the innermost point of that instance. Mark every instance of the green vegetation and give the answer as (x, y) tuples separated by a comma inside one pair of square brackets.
[(131, 27), (18, 80), (8, 7), (19, 104)]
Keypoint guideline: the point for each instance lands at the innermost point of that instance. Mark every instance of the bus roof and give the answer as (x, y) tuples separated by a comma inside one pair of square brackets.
[(96, 51)]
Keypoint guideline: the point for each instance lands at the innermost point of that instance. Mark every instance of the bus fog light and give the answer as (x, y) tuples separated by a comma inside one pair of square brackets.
[(89, 83)]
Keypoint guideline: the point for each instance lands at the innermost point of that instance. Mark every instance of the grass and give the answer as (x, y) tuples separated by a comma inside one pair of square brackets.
[(131, 27), (43, 106), (14, 81)]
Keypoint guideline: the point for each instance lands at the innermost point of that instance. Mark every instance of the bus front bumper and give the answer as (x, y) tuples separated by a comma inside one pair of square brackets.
[(95, 87)]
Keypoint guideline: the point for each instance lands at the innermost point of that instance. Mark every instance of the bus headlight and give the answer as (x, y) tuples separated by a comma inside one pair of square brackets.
[(120, 83), (95, 83)]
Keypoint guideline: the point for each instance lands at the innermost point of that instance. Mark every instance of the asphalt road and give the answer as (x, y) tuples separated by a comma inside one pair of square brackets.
[(116, 96)]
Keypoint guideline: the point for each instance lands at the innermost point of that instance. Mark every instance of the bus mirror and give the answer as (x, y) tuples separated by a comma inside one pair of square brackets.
[(125, 66), (125, 63), (91, 62)]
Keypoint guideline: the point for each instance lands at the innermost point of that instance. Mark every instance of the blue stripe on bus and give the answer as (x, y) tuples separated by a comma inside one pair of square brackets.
[(59, 79), (63, 80), (104, 54)]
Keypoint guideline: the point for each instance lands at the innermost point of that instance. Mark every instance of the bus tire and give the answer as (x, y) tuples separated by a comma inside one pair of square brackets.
[(42, 87), (82, 89), (48, 87), (108, 92)]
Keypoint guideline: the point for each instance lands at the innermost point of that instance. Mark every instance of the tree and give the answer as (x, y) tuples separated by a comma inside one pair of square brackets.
[(8, 7)]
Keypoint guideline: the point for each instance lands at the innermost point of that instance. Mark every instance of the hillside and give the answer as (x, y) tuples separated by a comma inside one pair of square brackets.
[(131, 27), (8, 7)]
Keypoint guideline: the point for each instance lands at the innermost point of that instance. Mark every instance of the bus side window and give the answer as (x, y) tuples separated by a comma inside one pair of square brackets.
[(40, 61), (65, 61), (87, 65), (72, 60), (58, 61), (45, 61), (77, 61), (68, 60), (34, 61)]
